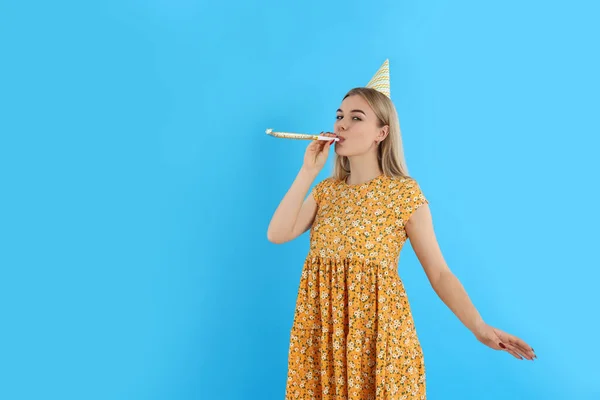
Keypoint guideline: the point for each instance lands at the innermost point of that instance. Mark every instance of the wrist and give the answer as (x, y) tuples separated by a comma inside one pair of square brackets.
[(479, 327), (312, 172)]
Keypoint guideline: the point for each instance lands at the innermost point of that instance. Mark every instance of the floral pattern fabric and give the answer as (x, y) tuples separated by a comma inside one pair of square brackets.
[(353, 334)]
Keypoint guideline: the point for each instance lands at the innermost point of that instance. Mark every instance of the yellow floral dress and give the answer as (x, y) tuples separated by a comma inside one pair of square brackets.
[(353, 335)]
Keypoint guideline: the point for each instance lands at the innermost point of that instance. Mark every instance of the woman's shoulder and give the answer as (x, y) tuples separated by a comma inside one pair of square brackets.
[(326, 181), (330, 181), (403, 180), (325, 184), (406, 184)]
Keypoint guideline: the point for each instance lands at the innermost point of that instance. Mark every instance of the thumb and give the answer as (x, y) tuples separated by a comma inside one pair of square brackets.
[(498, 340), (493, 341)]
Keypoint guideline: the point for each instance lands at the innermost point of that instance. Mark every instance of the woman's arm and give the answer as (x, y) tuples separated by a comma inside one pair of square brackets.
[(294, 215), (419, 230)]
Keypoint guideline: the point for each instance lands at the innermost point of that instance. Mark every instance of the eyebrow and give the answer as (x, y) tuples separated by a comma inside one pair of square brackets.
[(360, 111)]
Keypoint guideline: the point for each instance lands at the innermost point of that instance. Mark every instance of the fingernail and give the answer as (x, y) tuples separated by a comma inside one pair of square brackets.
[(502, 345)]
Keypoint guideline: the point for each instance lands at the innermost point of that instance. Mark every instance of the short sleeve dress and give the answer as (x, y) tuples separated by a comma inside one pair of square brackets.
[(353, 335)]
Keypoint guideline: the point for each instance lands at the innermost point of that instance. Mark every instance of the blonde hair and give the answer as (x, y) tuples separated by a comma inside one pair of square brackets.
[(390, 151)]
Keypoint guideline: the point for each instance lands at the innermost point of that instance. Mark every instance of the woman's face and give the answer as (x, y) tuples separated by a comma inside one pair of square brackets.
[(356, 125)]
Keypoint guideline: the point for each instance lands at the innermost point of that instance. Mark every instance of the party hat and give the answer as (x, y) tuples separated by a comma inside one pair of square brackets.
[(381, 80)]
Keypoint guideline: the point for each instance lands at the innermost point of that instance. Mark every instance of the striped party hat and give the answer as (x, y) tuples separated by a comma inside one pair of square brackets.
[(381, 80)]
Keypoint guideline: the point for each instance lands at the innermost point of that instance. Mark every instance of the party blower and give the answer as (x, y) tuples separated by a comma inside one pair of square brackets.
[(301, 136)]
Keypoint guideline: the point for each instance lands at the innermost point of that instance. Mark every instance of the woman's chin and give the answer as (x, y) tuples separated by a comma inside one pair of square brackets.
[(341, 151)]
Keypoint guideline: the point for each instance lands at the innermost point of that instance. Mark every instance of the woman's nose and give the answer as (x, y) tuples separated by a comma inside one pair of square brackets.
[(339, 128)]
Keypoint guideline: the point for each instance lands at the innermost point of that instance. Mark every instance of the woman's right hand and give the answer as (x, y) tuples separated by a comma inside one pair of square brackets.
[(317, 152)]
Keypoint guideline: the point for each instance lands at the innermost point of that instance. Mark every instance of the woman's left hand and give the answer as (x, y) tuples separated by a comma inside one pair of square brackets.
[(499, 340)]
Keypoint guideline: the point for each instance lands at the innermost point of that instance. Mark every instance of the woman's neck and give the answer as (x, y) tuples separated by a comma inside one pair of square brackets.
[(363, 169)]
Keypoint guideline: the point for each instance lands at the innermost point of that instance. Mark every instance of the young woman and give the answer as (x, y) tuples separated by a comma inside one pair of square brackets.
[(353, 335)]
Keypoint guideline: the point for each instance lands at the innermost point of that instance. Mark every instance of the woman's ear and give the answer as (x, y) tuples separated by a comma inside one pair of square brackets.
[(385, 130)]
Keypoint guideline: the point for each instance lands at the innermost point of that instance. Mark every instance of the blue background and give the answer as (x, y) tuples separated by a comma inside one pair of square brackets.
[(137, 185)]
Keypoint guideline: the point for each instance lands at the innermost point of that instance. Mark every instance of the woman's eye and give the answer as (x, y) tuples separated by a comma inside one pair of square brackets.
[(339, 116)]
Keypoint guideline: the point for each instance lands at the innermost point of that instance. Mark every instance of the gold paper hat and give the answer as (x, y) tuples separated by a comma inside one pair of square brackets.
[(381, 80)]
